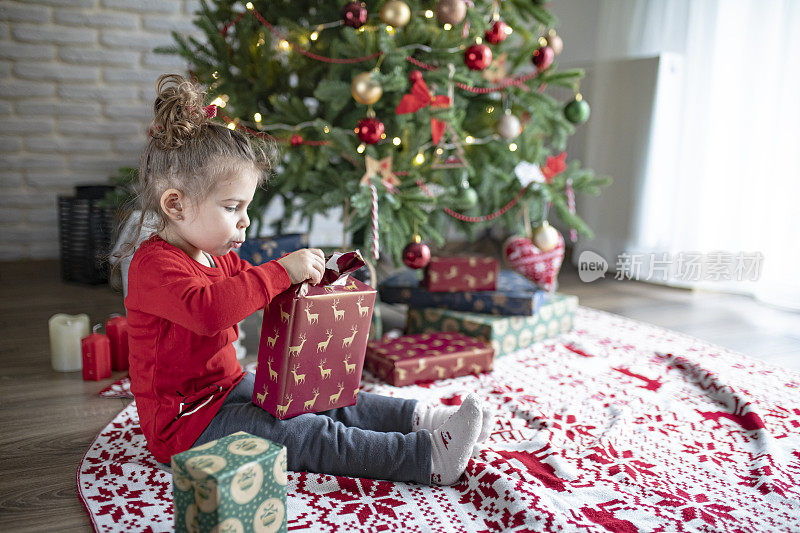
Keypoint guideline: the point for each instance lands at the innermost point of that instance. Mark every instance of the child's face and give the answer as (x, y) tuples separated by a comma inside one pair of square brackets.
[(218, 224)]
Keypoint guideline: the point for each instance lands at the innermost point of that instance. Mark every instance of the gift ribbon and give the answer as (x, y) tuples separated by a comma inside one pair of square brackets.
[(338, 267), (419, 97)]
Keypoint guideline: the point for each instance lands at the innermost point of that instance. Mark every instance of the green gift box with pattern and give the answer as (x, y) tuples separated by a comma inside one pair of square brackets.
[(233, 484), (505, 333)]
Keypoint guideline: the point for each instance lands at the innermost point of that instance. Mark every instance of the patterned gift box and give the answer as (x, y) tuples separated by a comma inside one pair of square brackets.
[(313, 340), (506, 334), (428, 356), (262, 249), (236, 483), (451, 274), (515, 295)]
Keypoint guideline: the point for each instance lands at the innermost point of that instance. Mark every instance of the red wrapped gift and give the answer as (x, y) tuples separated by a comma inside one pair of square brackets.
[(313, 340), (428, 356), (452, 274), (96, 353)]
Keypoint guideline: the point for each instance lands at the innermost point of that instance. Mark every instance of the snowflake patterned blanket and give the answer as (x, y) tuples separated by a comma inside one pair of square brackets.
[(615, 426)]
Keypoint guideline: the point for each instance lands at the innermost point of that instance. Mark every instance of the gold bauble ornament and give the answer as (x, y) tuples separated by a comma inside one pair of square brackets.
[(395, 13), (451, 11), (365, 90), (545, 237)]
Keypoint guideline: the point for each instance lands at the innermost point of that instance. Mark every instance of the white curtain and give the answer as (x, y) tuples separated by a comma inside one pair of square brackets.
[(736, 184)]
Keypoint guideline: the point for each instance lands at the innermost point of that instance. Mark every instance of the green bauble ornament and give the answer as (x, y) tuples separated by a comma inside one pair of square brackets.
[(577, 111)]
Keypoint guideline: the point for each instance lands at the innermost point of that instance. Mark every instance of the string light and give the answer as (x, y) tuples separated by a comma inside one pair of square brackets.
[(447, 26), (428, 14), (469, 139), (314, 36), (419, 159), (508, 30), (215, 74), (478, 40), (389, 29), (231, 126), (396, 141), (360, 148), (326, 129), (257, 117), (249, 5), (284, 44), (490, 109), (512, 147), (383, 135), (439, 151), (219, 102)]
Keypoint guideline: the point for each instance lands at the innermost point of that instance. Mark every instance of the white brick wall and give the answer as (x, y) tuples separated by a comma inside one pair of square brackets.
[(78, 82)]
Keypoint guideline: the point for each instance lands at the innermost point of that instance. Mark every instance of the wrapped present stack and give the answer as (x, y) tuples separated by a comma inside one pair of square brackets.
[(313, 341), (236, 483), (510, 315)]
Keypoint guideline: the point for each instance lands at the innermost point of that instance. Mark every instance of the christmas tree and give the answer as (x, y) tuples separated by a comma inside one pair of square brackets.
[(409, 115)]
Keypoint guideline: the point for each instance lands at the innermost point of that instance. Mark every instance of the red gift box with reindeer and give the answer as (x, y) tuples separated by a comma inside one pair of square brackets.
[(428, 356), (313, 340), (453, 274)]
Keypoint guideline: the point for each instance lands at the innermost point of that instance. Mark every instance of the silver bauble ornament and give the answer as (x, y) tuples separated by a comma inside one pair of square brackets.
[(509, 127)]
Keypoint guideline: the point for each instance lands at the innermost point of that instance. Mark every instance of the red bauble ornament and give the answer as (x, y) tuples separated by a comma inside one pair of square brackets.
[(369, 130), (538, 266), (354, 14), (416, 254), (415, 75), (543, 57), (296, 139), (497, 33), (478, 56)]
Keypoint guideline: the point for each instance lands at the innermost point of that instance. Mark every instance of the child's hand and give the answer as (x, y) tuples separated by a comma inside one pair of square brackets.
[(308, 263)]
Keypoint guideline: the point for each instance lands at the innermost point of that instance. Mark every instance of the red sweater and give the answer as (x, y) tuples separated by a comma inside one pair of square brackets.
[(182, 320)]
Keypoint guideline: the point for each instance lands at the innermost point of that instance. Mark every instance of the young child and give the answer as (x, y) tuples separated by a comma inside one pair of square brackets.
[(187, 290)]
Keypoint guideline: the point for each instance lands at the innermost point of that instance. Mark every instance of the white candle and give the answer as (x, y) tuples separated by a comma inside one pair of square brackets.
[(66, 332)]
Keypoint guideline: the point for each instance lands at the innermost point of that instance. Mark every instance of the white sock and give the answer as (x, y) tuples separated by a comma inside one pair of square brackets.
[(452, 442), (431, 417)]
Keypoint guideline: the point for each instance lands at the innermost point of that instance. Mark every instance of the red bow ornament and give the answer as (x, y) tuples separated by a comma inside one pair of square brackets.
[(555, 166), (419, 97)]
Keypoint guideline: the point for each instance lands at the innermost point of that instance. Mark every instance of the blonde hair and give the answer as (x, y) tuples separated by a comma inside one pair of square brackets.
[(188, 152)]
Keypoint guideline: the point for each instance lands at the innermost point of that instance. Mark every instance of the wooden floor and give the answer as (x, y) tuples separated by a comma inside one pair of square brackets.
[(48, 419)]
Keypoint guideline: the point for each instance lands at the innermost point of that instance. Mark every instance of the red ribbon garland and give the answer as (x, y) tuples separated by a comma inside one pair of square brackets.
[(419, 97)]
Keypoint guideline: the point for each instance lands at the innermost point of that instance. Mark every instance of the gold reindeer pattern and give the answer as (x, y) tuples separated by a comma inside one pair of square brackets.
[(452, 274), (302, 329), (434, 356)]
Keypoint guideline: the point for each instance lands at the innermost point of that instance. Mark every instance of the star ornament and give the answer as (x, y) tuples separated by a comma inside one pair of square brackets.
[(382, 168)]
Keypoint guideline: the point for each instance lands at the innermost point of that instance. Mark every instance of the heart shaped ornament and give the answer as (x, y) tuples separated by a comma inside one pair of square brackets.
[(538, 266)]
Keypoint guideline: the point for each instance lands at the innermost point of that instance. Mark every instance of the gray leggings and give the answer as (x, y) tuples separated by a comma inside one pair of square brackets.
[(371, 439)]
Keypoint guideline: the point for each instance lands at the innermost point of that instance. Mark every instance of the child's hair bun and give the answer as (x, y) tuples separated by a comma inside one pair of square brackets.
[(179, 113)]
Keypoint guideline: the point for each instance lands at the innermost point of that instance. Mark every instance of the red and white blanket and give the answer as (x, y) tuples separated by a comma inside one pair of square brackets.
[(615, 426)]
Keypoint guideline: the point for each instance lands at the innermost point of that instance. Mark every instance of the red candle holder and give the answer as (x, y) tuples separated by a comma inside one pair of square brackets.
[(117, 332), (96, 353)]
